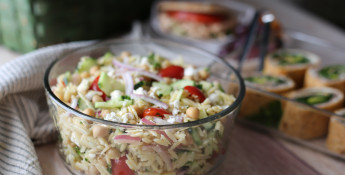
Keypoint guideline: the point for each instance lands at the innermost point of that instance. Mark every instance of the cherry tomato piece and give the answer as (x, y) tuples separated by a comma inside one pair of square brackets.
[(155, 112), (195, 93), (172, 71), (94, 86), (120, 167), (196, 17)]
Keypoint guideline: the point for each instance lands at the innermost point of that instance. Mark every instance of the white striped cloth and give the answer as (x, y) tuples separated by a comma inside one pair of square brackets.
[(24, 118)]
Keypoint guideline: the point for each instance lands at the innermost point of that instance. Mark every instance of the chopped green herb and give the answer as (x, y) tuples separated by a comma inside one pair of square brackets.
[(156, 65), (77, 150), (125, 97), (151, 57), (199, 86), (81, 122), (109, 169), (139, 84), (87, 160)]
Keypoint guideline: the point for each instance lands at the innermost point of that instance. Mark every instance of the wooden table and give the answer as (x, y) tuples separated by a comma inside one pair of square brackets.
[(250, 151)]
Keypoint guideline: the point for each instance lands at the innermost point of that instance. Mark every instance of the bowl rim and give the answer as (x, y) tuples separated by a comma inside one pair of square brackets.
[(211, 118)]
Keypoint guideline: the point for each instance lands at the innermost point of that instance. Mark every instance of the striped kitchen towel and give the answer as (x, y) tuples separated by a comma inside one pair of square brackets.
[(24, 119)]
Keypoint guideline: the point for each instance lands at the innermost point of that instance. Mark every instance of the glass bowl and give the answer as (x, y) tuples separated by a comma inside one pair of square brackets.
[(163, 148)]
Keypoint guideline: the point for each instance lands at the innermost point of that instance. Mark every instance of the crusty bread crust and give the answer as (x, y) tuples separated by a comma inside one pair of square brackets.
[(197, 7)]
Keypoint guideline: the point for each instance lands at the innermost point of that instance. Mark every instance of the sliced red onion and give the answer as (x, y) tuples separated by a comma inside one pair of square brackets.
[(165, 156), (147, 147), (128, 82), (164, 134), (148, 122), (74, 103), (151, 75), (150, 100), (125, 66), (127, 139), (137, 70)]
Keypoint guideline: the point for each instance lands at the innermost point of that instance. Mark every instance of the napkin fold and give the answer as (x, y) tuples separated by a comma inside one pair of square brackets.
[(24, 117)]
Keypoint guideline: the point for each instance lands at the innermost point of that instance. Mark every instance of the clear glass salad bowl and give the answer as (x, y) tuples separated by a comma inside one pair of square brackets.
[(195, 147)]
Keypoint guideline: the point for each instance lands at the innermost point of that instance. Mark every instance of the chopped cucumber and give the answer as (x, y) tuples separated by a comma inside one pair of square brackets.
[(85, 64), (219, 87), (116, 103), (195, 136), (106, 59), (208, 126), (176, 96), (182, 83), (164, 89), (206, 85), (108, 85), (83, 102), (203, 114)]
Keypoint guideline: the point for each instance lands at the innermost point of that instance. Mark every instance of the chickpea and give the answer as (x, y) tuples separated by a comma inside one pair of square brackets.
[(203, 74), (165, 63), (104, 113), (96, 98), (94, 70), (167, 80), (125, 54), (92, 170), (85, 74), (188, 77), (76, 79), (145, 67), (99, 131), (193, 113), (113, 153), (102, 161), (89, 111)]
